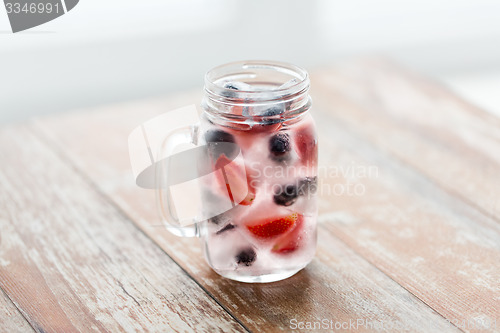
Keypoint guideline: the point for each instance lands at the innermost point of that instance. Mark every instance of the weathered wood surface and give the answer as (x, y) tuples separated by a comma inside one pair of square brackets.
[(260, 308), (11, 320), (439, 249), (430, 218), (417, 249), (419, 122), (72, 262)]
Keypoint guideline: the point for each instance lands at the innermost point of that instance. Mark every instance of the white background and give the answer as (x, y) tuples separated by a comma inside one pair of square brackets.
[(106, 51)]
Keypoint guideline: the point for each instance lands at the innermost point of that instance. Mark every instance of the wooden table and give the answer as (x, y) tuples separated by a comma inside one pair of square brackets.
[(419, 251)]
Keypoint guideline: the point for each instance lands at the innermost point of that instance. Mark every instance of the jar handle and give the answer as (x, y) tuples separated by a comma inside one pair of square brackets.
[(179, 136)]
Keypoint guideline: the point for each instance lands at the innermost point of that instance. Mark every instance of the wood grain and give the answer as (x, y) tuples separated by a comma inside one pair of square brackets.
[(421, 123), (11, 320), (429, 219), (72, 262), (444, 252), (339, 284)]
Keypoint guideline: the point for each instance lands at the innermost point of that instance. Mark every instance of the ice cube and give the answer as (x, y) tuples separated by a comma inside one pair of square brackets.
[(237, 85), (231, 88), (273, 110), (287, 84)]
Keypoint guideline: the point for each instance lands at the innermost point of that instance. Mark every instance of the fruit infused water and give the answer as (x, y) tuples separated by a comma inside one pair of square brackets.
[(263, 149)]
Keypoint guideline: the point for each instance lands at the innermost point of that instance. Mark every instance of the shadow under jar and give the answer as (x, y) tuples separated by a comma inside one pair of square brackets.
[(260, 201)]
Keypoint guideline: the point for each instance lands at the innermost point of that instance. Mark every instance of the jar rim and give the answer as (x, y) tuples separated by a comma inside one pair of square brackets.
[(252, 71)]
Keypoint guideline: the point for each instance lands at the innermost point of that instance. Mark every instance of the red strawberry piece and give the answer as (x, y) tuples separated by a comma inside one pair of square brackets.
[(292, 240), (306, 144), (244, 138), (271, 228), (234, 180)]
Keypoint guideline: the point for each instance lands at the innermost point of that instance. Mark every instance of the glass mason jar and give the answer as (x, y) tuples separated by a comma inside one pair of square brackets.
[(258, 171)]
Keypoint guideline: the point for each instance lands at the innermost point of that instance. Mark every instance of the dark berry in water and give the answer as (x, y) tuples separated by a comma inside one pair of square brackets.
[(246, 257), (279, 144), (287, 195), (231, 88), (230, 85), (214, 220), (218, 136), (226, 228), (272, 113), (214, 138)]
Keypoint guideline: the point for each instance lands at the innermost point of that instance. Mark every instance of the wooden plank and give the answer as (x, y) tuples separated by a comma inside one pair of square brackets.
[(11, 320), (444, 252), (339, 285), (423, 124), (73, 262), (413, 223)]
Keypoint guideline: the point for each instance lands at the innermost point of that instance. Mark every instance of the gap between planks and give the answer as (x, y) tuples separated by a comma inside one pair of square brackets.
[(17, 319)]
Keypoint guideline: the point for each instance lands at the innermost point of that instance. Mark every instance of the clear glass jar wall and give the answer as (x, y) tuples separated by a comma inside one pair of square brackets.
[(263, 109)]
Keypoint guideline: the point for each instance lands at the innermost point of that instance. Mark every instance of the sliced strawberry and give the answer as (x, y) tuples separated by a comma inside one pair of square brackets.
[(234, 180), (292, 240), (306, 144), (247, 201), (275, 227)]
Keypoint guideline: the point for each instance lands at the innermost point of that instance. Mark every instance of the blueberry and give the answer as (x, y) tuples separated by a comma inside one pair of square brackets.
[(272, 112), (218, 136), (268, 115), (226, 228), (246, 256), (287, 195), (231, 88), (279, 144), (230, 85), (214, 137)]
